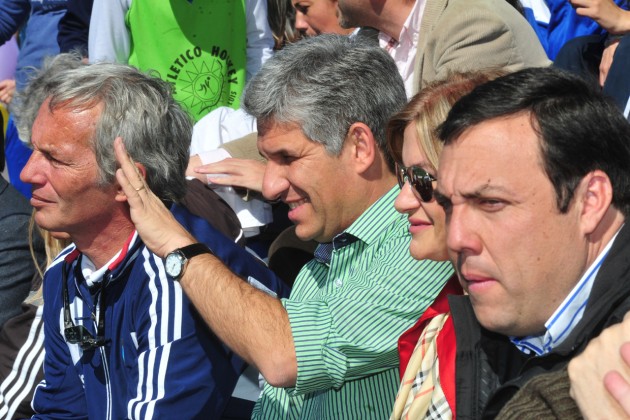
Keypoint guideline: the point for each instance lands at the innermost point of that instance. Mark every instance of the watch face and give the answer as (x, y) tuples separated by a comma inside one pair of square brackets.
[(174, 264)]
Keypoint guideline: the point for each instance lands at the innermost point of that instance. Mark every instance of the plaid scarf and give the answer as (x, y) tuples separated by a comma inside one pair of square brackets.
[(420, 394)]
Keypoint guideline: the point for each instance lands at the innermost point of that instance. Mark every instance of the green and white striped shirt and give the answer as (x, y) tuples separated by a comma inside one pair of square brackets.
[(346, 319)]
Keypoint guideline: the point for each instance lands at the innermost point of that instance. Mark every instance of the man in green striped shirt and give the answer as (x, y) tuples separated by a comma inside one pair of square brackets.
[(330, 350), (346, 317)]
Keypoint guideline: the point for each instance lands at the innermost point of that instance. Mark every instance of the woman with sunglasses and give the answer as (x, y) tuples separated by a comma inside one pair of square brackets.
[(427, 350)]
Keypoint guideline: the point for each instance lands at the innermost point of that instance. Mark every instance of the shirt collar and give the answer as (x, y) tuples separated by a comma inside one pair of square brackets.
[(569, 313), (366, 228), (369, 227), (404, 48), (410, 29), (93, 276)]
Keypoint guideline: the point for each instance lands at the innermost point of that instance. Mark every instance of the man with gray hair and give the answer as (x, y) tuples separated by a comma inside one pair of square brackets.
[(121, 339), (329, 350)]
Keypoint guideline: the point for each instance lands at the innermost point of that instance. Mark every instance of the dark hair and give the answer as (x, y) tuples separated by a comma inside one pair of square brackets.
[(281, 18), (579, 129)]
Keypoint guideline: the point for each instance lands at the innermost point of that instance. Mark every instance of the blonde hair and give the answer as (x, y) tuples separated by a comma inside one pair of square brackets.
[(429, 108), (52, 246)]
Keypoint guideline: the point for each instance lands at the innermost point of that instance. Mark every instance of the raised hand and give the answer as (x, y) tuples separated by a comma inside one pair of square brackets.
[(155, 224)]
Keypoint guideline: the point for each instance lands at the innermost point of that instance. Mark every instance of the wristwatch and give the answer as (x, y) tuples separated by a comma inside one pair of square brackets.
[(175, 262)]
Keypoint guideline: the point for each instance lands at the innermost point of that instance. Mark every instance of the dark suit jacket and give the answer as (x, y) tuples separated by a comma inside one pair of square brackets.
[(490, 370)]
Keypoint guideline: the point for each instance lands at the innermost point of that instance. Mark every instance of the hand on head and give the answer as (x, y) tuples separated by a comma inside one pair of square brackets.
[(155, 224)]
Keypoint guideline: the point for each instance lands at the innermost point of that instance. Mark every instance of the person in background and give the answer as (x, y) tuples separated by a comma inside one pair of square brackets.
[(17, 270), (603, 59), (281, 18), (315, 17), (592, 56), (206, 51), (22, 337), (38, 40), (74, 27), (37, 20), (9, 51), (429, 39), (557, 22)]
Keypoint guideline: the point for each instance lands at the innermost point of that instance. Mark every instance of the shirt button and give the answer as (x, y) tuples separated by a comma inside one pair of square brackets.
[(338, 282)]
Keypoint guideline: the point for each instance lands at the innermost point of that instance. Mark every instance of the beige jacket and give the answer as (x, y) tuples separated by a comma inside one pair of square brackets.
[(464, 35)]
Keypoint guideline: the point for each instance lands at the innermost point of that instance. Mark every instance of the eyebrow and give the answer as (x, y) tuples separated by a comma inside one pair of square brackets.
[(40, 147), (275, 152), (483, 191), (46, 148)]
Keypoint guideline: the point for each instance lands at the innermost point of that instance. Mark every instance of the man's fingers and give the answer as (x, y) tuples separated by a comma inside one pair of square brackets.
[(221, 167), (619, 389), (128, 176), (220, 180)]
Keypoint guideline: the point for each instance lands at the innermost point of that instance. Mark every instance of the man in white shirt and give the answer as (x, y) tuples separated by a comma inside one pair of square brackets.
[(430, 38)]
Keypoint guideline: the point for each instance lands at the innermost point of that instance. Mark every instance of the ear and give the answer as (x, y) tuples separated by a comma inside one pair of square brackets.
[(361, 147), (596, 195), (120, 194)]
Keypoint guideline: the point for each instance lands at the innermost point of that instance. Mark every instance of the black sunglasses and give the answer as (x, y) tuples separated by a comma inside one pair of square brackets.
[(78, 334), (419, 179)]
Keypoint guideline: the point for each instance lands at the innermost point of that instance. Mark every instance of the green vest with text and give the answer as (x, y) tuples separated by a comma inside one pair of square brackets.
[(199, 46)]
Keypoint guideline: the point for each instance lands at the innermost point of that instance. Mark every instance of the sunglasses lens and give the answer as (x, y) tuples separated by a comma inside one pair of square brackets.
[(424, 188), (420, 181)]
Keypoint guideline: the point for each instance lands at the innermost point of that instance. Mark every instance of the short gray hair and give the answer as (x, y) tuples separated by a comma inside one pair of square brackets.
[(140, 109), (26, 104), (325, 84)]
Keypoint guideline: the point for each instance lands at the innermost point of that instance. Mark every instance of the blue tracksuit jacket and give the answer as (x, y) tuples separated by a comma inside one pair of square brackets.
[(160, 360)]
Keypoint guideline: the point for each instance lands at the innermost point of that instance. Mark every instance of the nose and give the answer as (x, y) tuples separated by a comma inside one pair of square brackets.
[(275, 181), (406, 201), (30, 173), (300, 22), (462, 236)]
